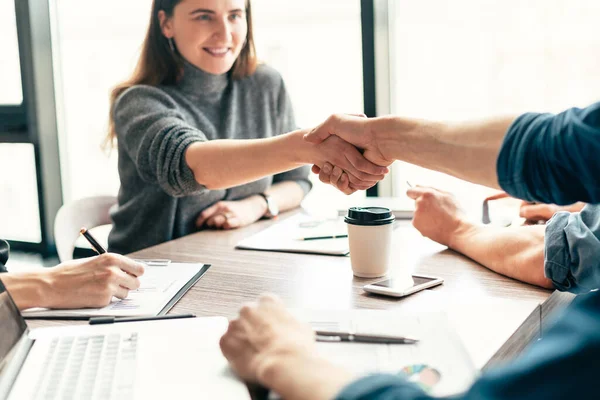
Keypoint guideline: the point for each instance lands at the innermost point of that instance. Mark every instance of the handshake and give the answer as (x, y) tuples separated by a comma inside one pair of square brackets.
[(347, 154)]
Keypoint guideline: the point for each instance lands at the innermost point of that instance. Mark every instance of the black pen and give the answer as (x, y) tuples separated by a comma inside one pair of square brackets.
[(112, 320), (95, 245), (323, 237), (326, 336)]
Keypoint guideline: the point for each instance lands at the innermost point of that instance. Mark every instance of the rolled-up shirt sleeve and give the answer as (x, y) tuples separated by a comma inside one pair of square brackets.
[(572, 250), (553, 158)]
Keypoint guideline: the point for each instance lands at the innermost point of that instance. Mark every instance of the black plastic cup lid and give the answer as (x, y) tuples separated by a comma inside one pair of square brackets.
[(369, 216)]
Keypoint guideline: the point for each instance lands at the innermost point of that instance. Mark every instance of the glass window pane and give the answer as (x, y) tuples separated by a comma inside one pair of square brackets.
[(316, 46), (10, 66), (92, 60), (465, 59), (19, 210)]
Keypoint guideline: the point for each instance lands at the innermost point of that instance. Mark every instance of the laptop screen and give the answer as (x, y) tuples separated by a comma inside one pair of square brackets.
[(12, 325)]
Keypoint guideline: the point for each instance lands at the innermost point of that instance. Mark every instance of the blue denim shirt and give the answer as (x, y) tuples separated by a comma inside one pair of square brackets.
[(572, 250), (552, 159)]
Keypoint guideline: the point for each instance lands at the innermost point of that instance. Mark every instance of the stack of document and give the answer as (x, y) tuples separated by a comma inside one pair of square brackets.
[(161, 287), (289, 236)]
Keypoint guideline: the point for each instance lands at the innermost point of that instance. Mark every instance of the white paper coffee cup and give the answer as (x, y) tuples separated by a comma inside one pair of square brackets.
[(370, 231)]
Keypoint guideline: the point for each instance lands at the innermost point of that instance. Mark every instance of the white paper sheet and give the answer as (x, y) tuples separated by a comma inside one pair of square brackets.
[(439, 350)]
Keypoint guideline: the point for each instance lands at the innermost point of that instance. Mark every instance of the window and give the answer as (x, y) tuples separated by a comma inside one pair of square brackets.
[(10, 75), (19, 210), (465, 59), (94, 54), (315, 45)]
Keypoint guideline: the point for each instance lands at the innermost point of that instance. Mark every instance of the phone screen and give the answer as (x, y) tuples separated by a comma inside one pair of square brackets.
[(389, 283)]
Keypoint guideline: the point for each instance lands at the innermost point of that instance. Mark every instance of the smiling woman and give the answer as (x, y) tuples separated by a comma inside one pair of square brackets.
[(201, 131), (212, 38)]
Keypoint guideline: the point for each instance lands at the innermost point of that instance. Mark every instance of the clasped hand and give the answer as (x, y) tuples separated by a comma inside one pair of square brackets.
[(355, 162)]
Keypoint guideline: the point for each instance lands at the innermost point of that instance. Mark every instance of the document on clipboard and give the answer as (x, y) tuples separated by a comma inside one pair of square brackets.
[(161, 287)]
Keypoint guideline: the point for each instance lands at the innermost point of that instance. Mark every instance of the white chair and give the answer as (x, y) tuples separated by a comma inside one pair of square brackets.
[(89, 212)]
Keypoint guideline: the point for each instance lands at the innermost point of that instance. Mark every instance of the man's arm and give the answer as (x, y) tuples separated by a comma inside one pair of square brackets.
[(515, 252), (465, 150), (540, 152)]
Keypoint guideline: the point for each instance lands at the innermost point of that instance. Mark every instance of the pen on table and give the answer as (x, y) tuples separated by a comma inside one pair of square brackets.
[(326, 336), (112, 320), (95, 245), (409, 184), (323, 237)]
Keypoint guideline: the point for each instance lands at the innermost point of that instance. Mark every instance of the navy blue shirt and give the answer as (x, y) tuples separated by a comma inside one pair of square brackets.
[(551, 159)]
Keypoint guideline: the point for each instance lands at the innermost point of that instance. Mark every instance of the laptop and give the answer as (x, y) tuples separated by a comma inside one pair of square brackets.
[(130, 360)]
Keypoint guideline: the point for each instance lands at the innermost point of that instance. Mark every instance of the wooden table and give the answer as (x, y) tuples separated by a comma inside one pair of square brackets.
[(495, 316)]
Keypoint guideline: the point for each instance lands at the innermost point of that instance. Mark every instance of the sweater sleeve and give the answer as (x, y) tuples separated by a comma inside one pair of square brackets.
[(553, 158), (153, 133), (287, 123)]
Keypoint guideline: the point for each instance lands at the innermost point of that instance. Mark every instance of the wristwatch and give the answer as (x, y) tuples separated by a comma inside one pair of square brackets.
[(272, 208)]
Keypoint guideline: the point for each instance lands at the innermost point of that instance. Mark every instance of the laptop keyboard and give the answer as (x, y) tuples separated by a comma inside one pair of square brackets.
[(89, 367)]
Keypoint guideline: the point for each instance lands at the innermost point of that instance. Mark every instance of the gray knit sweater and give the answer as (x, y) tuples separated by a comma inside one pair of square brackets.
[(159, 199)]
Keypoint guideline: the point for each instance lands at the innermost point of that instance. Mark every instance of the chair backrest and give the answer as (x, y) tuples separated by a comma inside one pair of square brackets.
[(4, 252), (88, 212)]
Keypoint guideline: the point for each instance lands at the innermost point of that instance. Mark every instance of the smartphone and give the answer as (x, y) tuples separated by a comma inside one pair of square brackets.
[(387, 287)]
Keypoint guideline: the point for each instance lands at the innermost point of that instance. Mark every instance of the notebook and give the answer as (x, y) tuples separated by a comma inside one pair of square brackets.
[(285, 236), (161, 287)]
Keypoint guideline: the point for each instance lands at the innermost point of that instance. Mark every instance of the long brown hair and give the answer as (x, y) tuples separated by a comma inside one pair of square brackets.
[(159, 65)]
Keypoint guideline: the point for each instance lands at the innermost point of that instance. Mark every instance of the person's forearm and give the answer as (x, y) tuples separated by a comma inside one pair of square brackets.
[(222, 164), (27, 289), (515, 252), (466, 150), (287, 195)]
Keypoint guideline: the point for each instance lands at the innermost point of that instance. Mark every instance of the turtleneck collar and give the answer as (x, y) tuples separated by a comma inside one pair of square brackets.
[(199, 83)]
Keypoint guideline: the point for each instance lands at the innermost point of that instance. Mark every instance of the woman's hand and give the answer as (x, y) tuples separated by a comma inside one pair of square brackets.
[(90, 282), (233, 214)]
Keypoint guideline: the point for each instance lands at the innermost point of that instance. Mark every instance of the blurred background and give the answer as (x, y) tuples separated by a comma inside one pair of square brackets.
[(437, 59)]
